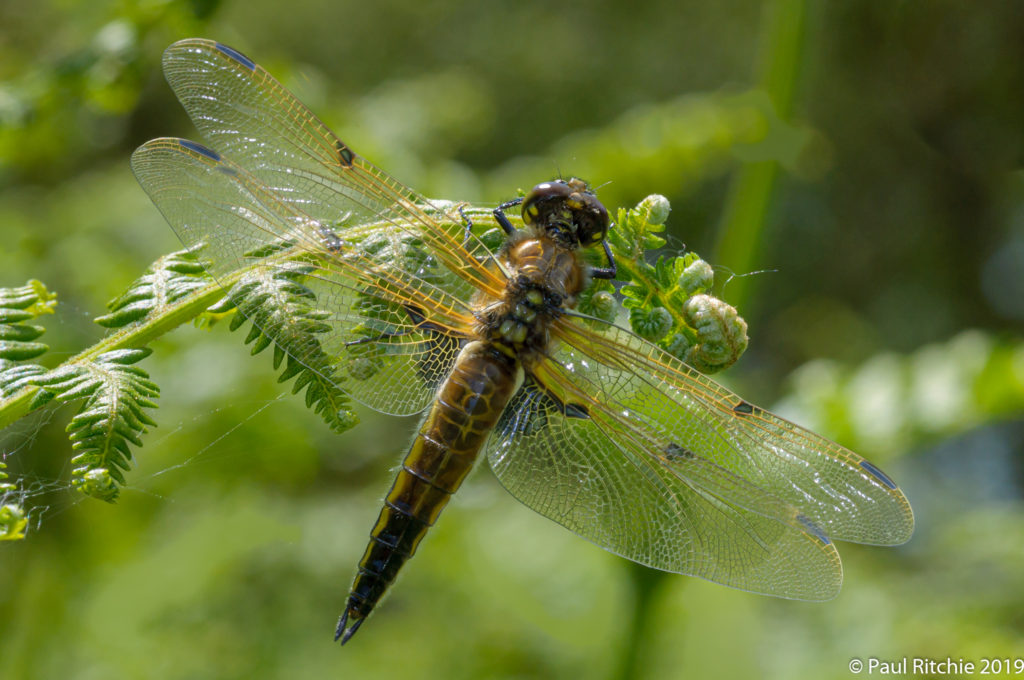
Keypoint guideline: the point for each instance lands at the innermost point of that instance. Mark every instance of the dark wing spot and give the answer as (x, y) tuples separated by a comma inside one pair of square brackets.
[(237, 56), (567, 409), (415, 314), (575, 411), (417, 317), (527, 414), (813, 529), (200, 149), (331, 241), (878, 474), (533, 404), (345, 154), (743, 408), (677, 452)]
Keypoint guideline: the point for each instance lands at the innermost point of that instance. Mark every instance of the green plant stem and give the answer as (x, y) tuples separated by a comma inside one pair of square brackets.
[(645, 583), (744, 217), (636, 272), (137, 335), (140, 334)]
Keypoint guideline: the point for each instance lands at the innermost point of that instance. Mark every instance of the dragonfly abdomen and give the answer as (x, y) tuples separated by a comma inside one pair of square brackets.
[(467, 407)]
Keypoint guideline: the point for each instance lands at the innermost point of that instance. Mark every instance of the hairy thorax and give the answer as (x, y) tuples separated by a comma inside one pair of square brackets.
[(544, 277)]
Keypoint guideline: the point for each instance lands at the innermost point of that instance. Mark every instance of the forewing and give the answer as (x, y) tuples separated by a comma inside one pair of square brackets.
[(246, 115), (392, 326)]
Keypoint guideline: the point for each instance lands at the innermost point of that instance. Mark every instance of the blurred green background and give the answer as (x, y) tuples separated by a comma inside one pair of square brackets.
[(857, 166)]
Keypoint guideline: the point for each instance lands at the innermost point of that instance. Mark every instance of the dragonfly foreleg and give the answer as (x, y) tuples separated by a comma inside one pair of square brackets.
[(469, 226), (499, 214)]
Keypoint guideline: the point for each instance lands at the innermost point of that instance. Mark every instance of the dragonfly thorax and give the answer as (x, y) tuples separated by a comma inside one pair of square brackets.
[(544, 278)]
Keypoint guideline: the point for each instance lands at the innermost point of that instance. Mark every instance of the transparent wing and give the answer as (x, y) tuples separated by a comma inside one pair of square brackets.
[(393, 327), (633, 450), (249, 117), (601, 486)]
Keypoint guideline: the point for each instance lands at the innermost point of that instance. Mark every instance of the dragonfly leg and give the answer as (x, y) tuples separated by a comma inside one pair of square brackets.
[(499, 214), (609, 271), (469, 226)]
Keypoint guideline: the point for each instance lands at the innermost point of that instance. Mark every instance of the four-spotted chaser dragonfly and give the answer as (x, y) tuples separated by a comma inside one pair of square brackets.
[(588, 424)]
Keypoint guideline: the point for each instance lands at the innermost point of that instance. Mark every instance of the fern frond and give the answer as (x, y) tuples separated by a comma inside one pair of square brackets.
[(283, 313), (17, 338), (14, 376), (167, 281), (111, 418), (5, 487), (13, 522), (18, 305), (12, 515), (669, 302)]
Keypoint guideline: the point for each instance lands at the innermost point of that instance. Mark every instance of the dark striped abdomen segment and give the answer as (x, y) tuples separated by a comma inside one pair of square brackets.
[(466, 409)]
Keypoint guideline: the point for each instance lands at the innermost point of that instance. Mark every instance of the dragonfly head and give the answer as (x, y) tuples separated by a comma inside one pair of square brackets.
[(567, 211)]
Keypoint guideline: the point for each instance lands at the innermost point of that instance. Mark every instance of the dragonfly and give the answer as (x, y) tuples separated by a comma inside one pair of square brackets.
[(581, 420)]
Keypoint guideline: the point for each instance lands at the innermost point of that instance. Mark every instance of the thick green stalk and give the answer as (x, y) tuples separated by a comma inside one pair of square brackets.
[(645, 583), (746, 210), (134, 336)]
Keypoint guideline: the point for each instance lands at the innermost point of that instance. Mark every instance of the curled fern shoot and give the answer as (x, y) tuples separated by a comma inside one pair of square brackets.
[(669, 302)]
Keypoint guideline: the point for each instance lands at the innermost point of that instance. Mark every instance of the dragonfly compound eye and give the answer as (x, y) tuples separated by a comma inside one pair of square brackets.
[(568, 210), (591, 220), (544, 202)]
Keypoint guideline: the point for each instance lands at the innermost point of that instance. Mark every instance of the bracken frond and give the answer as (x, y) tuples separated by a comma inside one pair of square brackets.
[(18, 338), (115, 396), (283, 313), (168, 280)]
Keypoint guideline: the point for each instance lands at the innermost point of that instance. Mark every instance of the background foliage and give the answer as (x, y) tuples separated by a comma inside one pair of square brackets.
[(863, 158)]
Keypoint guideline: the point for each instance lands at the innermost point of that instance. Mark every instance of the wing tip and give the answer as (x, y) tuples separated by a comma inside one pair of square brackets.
[(237, 56), (206, 45)]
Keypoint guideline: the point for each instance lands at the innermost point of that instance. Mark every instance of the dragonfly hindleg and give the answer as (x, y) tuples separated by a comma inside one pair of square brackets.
[(609, 271)]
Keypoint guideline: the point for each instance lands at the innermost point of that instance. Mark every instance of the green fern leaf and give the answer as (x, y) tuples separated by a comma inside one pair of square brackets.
[(15, 376), (13, 522), (13, 519), (283, 314), (111, 418), (18, 305), (165, 282)]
